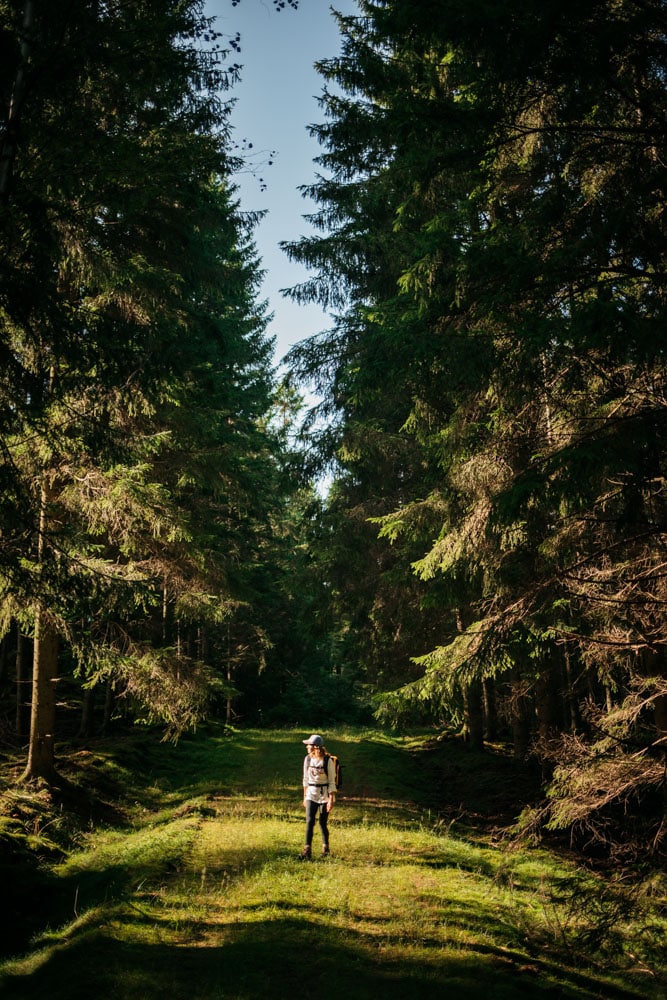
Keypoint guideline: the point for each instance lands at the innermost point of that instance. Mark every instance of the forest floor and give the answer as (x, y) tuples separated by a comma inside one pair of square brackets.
[(172, 871)]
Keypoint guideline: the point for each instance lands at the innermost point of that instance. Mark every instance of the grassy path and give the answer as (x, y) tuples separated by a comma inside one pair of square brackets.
[(202, 897)]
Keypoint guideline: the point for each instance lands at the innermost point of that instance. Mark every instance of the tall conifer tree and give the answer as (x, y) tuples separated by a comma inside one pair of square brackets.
[(138, 369)]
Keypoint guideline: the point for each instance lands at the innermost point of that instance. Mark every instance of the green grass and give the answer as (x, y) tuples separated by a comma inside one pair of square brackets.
[(189, 887)]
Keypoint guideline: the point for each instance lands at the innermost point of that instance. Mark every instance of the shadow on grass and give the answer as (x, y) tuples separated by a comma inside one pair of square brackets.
[(254, 957), (21, 880), (288, 956)]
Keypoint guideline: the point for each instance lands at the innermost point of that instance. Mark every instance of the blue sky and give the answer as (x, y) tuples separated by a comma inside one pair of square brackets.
[(275, 102)]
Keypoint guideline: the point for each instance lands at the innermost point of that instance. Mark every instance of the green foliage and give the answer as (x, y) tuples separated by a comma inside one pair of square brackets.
[(317, 693), (496, 369)]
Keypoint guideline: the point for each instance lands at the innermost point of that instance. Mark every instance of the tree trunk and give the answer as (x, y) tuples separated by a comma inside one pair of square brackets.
[(660, 716), (42, 718), (474, 715), (230, 676), (41, 754), (490, 710), (548, 717), (571, 701), (655, 664), (202, 644), (4, 646), (520, 715), (23, 685), (109, 702), (87, 712)]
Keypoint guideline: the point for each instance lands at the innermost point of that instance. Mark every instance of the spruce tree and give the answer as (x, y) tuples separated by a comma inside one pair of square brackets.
[(139, 369)]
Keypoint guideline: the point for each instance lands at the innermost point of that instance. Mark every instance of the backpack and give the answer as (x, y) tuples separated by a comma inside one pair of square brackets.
[(338, 768)]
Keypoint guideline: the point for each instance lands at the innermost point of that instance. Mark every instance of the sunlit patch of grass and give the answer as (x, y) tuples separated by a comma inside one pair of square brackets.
[(396, 890), (142, 854)]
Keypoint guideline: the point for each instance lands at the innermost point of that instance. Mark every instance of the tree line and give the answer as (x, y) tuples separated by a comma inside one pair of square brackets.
[(141, 469), (491, 237), (490, 243)]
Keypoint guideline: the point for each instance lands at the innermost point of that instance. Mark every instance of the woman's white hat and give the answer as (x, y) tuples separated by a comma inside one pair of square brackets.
[(314, 741)]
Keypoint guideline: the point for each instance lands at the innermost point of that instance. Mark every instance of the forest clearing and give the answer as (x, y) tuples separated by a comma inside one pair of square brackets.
[(188, 885)]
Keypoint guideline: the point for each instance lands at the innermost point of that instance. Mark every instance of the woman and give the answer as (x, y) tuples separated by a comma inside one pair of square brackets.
[(319, 792)]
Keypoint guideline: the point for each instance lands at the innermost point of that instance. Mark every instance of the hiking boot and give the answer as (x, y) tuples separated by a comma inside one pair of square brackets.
[(325, 851), (306, 854)]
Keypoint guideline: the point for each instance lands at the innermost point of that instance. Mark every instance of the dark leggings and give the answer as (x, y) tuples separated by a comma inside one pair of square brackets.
[(311, 813)]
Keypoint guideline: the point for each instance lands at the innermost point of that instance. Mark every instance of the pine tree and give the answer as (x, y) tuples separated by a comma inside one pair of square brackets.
[(139, 367)]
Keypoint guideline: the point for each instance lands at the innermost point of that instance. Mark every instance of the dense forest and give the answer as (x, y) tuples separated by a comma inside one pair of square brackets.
[(489, 556)]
